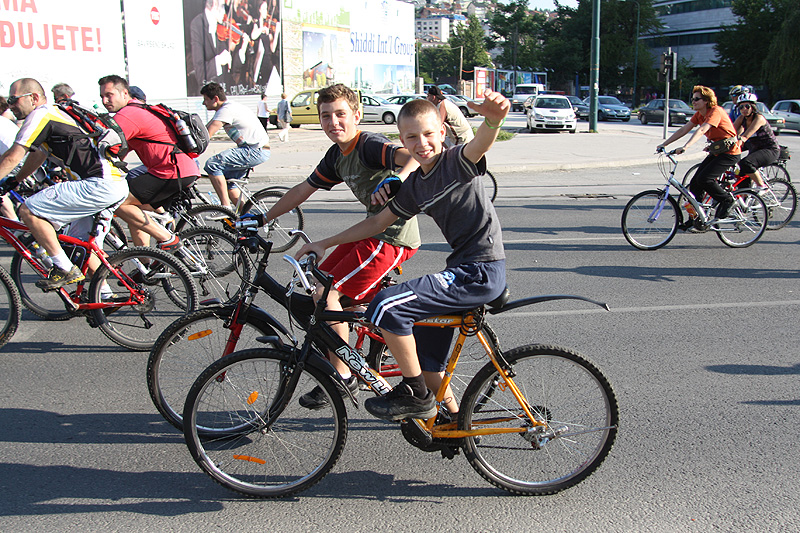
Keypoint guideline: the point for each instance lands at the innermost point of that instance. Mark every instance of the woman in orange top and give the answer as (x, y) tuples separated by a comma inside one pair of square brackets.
[(715, 124)]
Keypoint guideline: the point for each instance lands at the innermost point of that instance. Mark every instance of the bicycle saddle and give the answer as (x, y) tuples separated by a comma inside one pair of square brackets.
[(501, 300)]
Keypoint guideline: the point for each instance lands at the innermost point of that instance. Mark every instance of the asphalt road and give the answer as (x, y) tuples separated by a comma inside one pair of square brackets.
[(700, 346)]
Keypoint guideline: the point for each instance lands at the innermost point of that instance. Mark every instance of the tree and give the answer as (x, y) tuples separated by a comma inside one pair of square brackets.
[(761, 48), (436, 62), (518, 32), (470, 36)]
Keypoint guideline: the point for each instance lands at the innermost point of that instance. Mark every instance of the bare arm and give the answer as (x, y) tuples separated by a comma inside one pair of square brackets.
[(366, 228), (680, 132), (34, 161), (293, 197), (402, 158), (494, 109), (213, 127), (11, 158), (753, 128)]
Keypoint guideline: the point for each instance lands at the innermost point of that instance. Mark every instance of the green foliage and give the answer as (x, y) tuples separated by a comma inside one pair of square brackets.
[(761, 48), (437, 62), (470, 36), (517, 31)]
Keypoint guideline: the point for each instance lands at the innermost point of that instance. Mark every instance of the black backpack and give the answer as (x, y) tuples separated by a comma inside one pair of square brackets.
[(101, 128), (193, 140)]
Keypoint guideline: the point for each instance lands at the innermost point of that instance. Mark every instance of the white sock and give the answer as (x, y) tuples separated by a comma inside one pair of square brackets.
[(62, 261)]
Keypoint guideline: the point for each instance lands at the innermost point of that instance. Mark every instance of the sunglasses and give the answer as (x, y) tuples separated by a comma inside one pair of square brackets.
[(745, 106), (696, 99), (14, 99)]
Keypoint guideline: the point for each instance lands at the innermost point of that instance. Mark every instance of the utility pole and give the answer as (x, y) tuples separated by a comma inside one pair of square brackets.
[(594, 67)]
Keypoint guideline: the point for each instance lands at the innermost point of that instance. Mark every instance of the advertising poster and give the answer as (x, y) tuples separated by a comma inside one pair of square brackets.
[(154, 37), (54, 41), (236, 44), (382, 46)]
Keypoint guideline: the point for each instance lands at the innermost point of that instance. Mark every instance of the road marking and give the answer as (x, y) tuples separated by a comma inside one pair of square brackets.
[(655, 308)]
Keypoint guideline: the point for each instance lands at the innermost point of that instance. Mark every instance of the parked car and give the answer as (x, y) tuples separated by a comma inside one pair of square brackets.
[(610, 108), (401, 99), (551, 112), (679, 112), (445, 87), (304, 109), (777, 123), (378, 109), (581, 109), (461, 103), (521, 93), (789, 110)]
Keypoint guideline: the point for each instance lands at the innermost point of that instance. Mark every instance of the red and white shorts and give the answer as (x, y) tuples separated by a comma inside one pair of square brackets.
[(358, 267)]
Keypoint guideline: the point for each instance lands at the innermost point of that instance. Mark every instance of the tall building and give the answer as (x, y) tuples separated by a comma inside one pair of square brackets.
[(691, 28)]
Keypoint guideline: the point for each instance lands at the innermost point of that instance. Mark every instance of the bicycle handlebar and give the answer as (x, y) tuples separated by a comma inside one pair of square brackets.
[(301, 273)]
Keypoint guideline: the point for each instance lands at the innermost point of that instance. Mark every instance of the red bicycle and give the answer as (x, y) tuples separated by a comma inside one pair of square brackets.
[(131, 297)]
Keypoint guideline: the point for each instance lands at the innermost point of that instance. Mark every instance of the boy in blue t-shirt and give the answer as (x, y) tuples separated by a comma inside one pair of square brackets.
[(448, 188)]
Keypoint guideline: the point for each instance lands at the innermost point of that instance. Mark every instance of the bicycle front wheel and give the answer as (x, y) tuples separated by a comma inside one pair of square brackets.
[(164, 285), (186, 348), (650, 220), (277, 230), (781, 202), (231, 398), (47, 305), (10, 306), (561, 389), (204, 215), (751, 216), (222, 269)]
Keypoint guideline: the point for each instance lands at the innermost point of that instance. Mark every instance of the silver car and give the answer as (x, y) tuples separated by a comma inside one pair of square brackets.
[(789, 110), (378, 109), (777, 123)]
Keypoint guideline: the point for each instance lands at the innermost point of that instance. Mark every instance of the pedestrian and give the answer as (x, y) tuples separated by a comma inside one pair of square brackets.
[(263, 111), (284, 118)]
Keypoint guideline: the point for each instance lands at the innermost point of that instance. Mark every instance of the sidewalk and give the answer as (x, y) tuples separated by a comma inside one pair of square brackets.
[(526, 165)]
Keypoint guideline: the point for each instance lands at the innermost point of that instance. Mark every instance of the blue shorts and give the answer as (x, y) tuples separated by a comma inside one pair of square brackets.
[(233, 163), (459, 288), (76, 203)]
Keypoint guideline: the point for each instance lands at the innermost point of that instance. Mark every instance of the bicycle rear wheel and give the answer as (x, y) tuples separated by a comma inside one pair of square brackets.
[(775, 171), (47, 305), (186, 348), (650, 220), (165, 285), (10, 306), (781, 202), (278, 229), (490, 185), (563, 390), (204, 215), (231, 398), (224, 268), (751, 214)]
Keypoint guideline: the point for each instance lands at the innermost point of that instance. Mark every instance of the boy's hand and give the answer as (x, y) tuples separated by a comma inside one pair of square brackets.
[(495, 106), (315, 248), (385, 190)]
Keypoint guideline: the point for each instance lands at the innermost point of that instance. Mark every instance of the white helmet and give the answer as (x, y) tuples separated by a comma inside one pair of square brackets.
[(748, 97)]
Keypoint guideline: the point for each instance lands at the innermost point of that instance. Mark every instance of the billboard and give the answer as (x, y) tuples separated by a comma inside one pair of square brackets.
[(236, 45), (53, 41), (155, 47)]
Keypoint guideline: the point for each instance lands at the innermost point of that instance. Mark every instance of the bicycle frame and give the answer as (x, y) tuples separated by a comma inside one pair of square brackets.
[(8, 226), (671, 181)]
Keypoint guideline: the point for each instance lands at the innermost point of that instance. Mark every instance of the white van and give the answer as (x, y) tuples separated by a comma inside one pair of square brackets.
[(522, 92)]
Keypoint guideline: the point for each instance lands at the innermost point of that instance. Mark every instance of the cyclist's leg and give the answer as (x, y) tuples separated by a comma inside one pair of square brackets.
[(232, 164), (148, 193), (705, 180), (432, 345), (755, 160)]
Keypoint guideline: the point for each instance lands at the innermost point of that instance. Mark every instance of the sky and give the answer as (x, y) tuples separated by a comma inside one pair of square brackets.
[(548, 4)]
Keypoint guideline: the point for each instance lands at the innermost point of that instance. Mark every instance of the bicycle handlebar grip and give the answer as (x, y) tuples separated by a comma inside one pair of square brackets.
[(251, 221)]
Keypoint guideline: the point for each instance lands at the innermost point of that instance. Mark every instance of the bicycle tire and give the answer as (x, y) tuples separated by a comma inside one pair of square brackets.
[(775, 170), (490, 185), (186, 348), (785, 194), (203, 215), (231, 397), (562, 389), (10, 306), (687, 178), (46, 305), (278, 229), (643, 232), (168, 287), (225, 268), (116, 239), (753, 216)]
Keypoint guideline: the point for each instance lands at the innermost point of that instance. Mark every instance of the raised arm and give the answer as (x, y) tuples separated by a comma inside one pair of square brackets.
[(494, 109)]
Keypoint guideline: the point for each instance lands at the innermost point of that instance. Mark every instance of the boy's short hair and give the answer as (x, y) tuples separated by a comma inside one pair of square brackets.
[(335, 92), (213, 89), (416, 108)]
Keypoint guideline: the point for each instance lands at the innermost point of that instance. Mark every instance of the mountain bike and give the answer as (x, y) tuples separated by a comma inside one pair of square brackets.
[(651, 218), (780, 196), (533, 420), (191, 343), (131, 297)]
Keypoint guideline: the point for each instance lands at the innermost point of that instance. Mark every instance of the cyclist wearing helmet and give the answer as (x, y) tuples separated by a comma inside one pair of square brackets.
[(736, 92), (756, 136)]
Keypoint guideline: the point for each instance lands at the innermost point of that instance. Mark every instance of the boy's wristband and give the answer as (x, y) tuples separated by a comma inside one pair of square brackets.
[(489, 124)]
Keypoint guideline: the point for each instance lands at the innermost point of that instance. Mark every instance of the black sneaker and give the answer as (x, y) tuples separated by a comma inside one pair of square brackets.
[(59, 278), (316, 399), (724, 207), (401, 403)]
